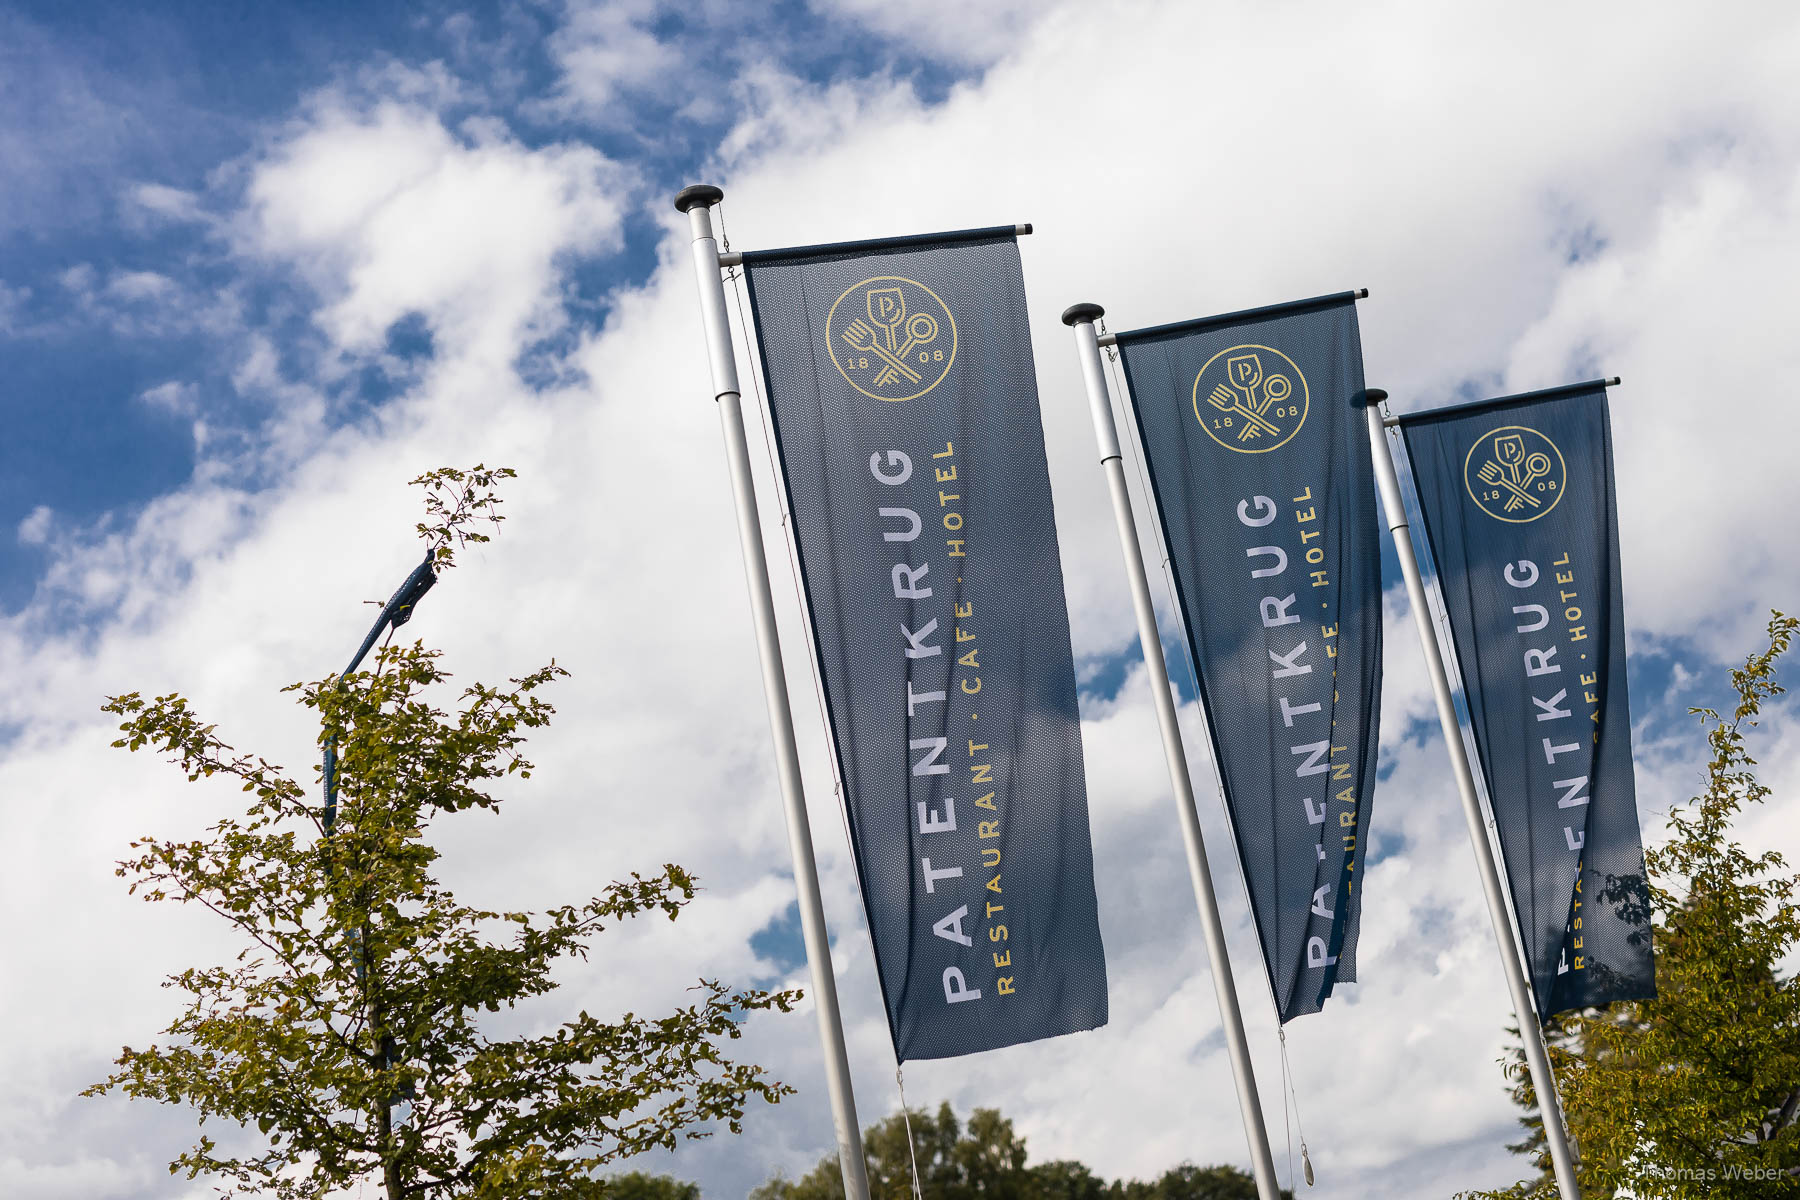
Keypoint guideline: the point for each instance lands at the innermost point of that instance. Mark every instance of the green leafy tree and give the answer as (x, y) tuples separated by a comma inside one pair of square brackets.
[(1695, 1093), (986, 1160), (1188, 1182), (1066, 1179), (636, 1185), (951, 1165), (1562, 1044), (348, 1032)]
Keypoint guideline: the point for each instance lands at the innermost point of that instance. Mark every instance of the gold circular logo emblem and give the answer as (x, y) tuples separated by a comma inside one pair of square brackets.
[(1515, 474), (891, 337), (1251, 399)]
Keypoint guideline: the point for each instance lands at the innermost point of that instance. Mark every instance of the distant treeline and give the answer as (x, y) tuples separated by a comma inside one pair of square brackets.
[(982, 1160)]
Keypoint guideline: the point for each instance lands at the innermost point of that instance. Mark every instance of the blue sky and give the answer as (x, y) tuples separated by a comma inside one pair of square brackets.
[(114, 110), (261, 264), (128, 128)]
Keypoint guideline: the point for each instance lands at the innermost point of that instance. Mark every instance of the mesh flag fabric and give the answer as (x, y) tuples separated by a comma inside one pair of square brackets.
[(1253, 429), (1516, 497), (901, 381)]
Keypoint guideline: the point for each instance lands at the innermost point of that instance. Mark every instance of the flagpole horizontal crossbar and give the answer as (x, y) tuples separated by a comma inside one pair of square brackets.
[(1567, 389), (876, 245), (1232, 318)]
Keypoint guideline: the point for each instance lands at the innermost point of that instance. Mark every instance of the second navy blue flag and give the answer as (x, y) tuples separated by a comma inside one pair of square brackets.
[(1253, 427), (905, 400), (1517, 500)]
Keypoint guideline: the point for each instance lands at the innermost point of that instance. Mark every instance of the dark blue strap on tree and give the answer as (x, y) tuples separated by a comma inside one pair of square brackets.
[(395, 613)]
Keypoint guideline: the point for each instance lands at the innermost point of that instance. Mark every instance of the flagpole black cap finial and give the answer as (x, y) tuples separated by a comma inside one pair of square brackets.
[(697, 193), (1076, 313), (1375, 395)]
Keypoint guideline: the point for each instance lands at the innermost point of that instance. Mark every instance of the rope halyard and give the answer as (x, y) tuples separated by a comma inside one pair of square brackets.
[(735, 274), (906, 1116), (1287, 1077), (1172, 599)]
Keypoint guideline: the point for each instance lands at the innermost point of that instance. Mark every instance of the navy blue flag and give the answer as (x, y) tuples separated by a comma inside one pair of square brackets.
[(1253, 427), (1516, 496), (901, 380)]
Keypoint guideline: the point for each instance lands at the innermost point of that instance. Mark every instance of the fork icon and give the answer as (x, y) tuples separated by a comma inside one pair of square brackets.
[(862, 336), (1514, 471), (1245, 372)]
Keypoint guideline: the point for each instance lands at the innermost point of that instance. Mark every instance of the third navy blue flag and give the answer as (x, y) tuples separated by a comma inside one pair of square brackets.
[(1253, 427), (905, 400), (1517, 500)]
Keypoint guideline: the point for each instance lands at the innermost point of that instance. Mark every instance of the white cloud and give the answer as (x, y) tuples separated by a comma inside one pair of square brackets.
[(1392, 147), (780, 114), (605, 52), (12, 303), (962, 33), (390, 213), (34, 530), (78, 279), (136, 304), (134, 286), (173, 397), (1691, 313), (174, 205)]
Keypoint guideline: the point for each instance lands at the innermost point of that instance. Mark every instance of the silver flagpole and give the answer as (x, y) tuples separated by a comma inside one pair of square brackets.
[(1081, 318), (697, 201), (1542, 1079)]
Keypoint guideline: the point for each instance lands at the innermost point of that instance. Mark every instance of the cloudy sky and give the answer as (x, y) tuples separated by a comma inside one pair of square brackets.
[(260, 266)]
